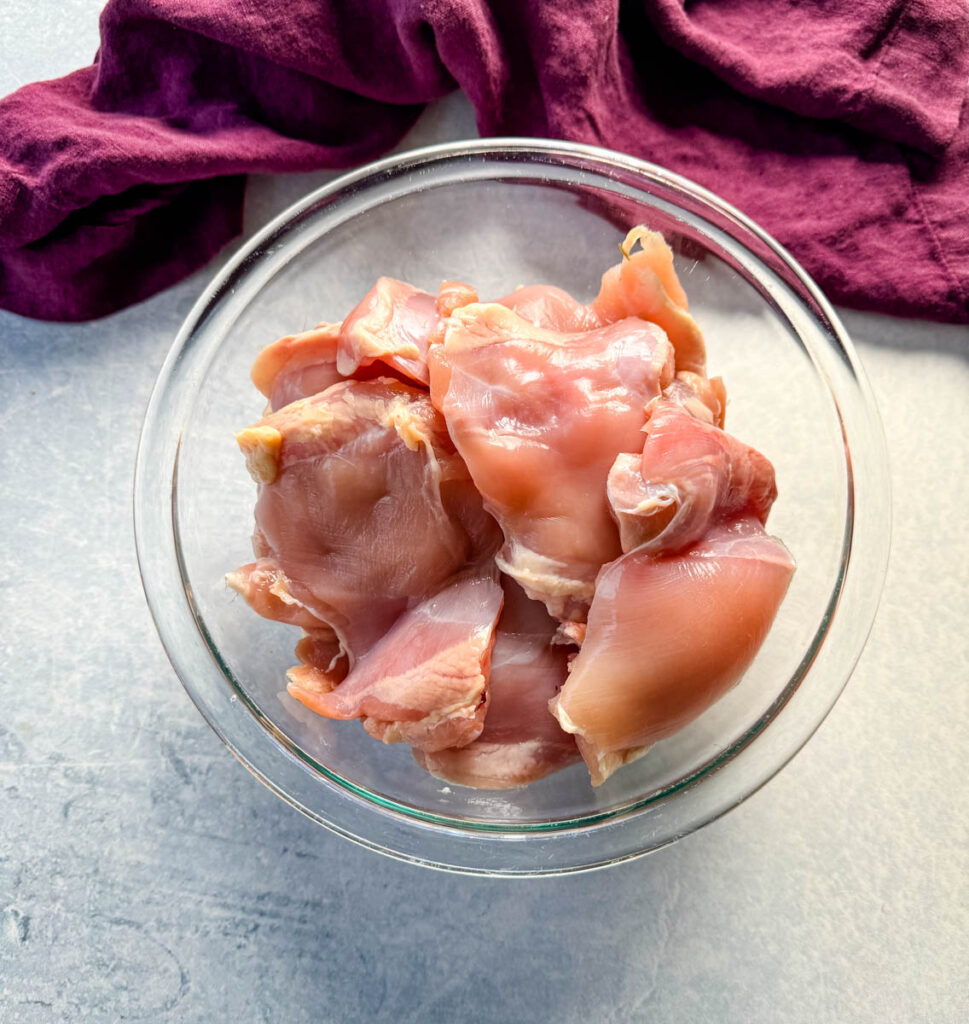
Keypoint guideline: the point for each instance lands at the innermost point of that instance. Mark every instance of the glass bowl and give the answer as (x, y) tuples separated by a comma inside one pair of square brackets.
[(500, 213)]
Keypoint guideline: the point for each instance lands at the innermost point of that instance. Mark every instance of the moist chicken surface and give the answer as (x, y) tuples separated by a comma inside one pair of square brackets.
[(513, 533), (538, 416)]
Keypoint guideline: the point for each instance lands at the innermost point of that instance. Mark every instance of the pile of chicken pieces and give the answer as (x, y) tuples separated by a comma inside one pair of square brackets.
[(514, 533)]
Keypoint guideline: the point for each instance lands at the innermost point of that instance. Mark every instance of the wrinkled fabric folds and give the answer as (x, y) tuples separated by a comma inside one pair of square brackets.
[(839, 126)]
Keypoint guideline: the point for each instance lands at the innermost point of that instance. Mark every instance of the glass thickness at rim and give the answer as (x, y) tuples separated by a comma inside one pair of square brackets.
[(612, 171)]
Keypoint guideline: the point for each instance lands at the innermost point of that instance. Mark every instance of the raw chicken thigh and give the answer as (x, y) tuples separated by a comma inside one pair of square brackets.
[(690, 475), (521, 742), (514, 533), (550, 307), (538, 416), (425, 681), (667, 637), (339, 473), (392, 325), (298, 365), (644, 285), (387, 335), (267, 591)]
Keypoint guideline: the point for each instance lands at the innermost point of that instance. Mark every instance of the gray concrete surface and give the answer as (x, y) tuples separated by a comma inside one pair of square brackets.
[(145, 875)]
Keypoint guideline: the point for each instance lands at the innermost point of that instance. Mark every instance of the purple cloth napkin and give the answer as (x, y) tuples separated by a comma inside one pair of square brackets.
[(839, 125)]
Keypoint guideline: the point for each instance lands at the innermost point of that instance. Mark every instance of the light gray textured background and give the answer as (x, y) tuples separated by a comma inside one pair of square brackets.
[(144, 875)]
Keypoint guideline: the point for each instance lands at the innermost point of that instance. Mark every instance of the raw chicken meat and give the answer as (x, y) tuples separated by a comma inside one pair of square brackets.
[(386, 335), (339, 473), (267, 591), (702, 397), (323, 664), (625, 582), (667, 637), (691, 475), (393, 324), (302, 365), (453, 295), (298, 365), (425, 681), (521, 742), (547, 306), (645, 284), (539, 416)]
